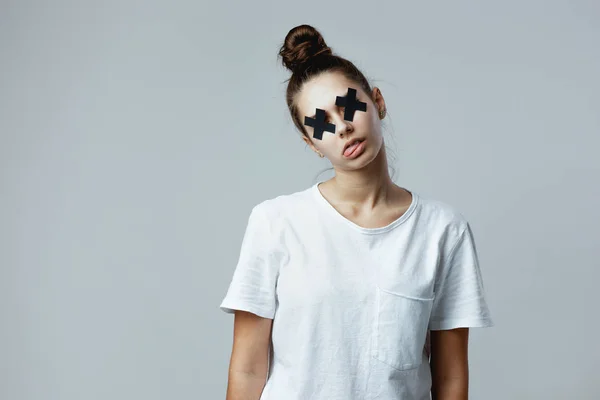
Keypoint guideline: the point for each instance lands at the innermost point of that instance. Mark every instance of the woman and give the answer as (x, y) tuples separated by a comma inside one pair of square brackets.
[(339, 287)]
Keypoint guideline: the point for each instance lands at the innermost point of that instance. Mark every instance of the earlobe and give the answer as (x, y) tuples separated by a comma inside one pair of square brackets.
[(309, 144)]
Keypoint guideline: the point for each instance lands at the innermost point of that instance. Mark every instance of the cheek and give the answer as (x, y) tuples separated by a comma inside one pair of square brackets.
[(365, 120)]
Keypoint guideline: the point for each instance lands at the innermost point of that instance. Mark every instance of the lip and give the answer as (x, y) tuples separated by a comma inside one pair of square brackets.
[(357, 151), (350, 143)]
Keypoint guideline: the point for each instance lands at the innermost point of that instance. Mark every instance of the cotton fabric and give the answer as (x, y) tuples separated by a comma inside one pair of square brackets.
[(351, 306)]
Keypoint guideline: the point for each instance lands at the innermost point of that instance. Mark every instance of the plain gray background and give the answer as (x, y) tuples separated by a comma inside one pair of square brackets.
[(137, 136)]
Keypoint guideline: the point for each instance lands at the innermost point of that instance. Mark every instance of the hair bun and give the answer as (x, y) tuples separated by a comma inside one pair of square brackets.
[(300, 45)]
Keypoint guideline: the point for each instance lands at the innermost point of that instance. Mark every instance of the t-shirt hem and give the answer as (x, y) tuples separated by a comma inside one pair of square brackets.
[(230, 307), (460, 323)]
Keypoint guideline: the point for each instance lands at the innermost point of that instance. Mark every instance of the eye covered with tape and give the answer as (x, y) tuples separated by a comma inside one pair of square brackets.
[(350, 103)]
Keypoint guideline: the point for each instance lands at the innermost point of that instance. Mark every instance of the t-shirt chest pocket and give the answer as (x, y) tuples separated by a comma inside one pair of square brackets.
[(400, 328)]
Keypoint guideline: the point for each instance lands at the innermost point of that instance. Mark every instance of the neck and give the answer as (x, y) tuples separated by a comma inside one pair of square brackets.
[(368, 187)]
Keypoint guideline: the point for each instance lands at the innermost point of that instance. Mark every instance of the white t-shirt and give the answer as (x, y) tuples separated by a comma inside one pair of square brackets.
[(351, 306)]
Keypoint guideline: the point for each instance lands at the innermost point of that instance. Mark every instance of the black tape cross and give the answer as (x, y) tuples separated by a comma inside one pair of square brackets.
[(350, 104), (319, 125)]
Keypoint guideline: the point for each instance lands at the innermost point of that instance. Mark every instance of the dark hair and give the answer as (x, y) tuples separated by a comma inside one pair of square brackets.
[(305, 53)]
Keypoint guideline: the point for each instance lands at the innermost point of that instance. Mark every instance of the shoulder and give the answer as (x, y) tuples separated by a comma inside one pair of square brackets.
[(439, 216), (282, 208), (284, 204)]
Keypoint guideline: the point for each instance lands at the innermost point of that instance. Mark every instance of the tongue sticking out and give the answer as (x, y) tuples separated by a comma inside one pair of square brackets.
[(351, 148)]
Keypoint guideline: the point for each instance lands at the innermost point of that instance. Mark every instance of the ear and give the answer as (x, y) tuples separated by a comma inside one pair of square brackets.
[(377, 98), (310, 144)]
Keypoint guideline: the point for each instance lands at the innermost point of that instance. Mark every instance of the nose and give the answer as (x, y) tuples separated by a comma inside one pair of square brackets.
[(343, 127)]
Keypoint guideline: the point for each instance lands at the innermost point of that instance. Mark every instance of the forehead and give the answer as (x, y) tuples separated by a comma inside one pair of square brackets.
[(321, 92)]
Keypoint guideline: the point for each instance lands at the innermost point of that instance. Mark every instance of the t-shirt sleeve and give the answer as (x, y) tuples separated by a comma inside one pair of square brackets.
[(459, 292), (252, 287)]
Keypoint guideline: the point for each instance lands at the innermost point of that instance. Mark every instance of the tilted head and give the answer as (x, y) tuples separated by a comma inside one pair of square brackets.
[(330, 101)]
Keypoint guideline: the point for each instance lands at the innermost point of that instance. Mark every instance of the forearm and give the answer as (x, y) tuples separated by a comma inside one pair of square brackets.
[(450, 389), (244, 385), (449, 364)]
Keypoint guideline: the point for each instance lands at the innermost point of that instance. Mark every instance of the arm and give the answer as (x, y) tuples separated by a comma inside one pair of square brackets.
[(449, 364), (249, 356)]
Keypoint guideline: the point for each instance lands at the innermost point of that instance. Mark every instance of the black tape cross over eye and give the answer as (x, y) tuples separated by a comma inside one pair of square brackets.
[(319, 125), (350, 104)]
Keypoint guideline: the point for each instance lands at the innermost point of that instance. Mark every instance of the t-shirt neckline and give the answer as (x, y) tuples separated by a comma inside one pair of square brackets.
[(370, 231)]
